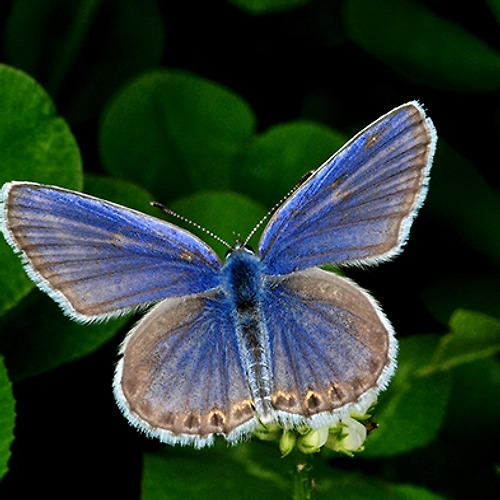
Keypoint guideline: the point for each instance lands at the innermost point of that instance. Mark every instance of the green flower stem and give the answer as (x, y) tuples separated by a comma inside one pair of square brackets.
[(302, 478)]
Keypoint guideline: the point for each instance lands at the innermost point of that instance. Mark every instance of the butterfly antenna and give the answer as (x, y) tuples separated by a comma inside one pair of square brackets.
[(169, 211), (277, 205)]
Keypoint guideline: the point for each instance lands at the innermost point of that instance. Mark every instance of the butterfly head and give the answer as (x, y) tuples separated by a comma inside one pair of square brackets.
[(239, 247)]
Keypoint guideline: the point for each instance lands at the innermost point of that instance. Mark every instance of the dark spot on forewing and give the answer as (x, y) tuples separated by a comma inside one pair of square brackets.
[(373, 139), (186, 255), (338, 181), (117, 240)]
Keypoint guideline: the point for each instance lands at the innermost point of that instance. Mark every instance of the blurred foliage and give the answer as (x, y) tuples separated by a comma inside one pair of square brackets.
[(7, 417), (217, 109)]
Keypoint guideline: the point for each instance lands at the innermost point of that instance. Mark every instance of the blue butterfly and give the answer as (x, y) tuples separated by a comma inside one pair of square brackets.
[(263, 337)]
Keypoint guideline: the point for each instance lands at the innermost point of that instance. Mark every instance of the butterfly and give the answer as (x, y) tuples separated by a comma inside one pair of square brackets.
[(263, 337)]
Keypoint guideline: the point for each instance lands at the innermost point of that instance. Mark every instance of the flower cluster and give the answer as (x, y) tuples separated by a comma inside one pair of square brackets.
[(346, 436)]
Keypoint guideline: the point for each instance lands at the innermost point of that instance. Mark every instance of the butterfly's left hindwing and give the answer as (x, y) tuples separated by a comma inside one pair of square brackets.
[(98, 259), (181, 378)]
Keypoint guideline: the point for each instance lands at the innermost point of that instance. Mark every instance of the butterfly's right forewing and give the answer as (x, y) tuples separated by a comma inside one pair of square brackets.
[(359, 205)]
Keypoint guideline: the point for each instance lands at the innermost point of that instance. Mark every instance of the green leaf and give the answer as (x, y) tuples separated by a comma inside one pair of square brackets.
[(277, 159), (355, 486), (241, 472), (494, 6), (173, 133), (38, 337), (267, 6), (122, 192), (256, 470), (82, 51), (411, 39), (7, 417), (410, 492), (474, 398), (411, 411), (35, 144), (226, 214), (462, 200), (472, 336)]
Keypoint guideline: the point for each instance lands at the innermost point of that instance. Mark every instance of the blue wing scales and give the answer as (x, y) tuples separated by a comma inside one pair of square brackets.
[(332, 348), (180, 378), (359, 205), (98, 259)]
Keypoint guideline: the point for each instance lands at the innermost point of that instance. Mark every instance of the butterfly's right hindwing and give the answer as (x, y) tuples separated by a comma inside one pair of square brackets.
[(332, 348)]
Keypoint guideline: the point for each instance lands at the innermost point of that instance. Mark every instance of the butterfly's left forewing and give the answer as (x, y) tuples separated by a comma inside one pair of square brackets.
[(332, 348), (98, 259), (359, 205)]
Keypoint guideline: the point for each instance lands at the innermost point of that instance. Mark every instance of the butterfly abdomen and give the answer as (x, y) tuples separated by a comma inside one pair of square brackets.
[(242, 284)]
